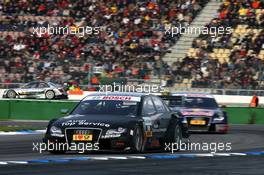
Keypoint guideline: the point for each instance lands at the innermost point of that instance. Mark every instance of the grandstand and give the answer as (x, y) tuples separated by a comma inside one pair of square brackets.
[(131, 44), (230, 61)]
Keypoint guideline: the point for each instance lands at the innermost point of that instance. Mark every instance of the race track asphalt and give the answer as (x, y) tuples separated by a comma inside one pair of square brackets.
[(244, 138)]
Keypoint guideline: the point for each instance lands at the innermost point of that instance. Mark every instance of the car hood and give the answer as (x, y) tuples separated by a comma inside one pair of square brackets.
[(97, 121)]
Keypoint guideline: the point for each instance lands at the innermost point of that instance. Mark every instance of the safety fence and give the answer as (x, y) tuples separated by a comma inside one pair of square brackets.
[(48, 109), (178, 87)]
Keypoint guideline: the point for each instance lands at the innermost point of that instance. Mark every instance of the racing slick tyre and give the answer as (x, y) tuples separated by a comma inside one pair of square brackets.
[(11, 94), (138, 145), (49, 94), (174, 135)]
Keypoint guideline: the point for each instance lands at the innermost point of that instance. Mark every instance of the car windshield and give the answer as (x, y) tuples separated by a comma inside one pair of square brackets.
[(53, 84), (107, 107), (199, 102), (175, 101), (29, 85)]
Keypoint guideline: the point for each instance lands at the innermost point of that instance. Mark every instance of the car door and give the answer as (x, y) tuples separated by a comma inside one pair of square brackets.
[(42, 86), (33, 90), (26, 90), (162, 113), (151, 117)]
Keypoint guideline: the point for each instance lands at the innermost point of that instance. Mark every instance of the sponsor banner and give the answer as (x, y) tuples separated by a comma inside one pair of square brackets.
[(197, 113)]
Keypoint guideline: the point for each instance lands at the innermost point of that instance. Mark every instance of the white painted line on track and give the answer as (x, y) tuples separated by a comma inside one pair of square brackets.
[(222, 154), (99, 158), (238, 154), (118, 157), (204, 155), (3, 163), (137, 157), (18, 162)]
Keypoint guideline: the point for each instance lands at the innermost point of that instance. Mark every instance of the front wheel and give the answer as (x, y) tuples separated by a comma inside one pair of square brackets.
[(177, 136), (138, 145)]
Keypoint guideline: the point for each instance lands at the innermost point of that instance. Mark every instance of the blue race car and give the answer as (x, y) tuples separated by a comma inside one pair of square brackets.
[(199, 111)]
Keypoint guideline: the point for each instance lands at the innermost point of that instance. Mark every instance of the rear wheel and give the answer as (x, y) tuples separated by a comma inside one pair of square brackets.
[(138, 145), (174, 135), (11, 94), (49, 94)]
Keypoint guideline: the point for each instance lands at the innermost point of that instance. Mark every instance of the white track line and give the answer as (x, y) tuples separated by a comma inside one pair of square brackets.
[(238, 154), (118, 157), (3, 163), (222, 154), (204, 155), (18, 162), (22, 132), (137, 157), (99, 158)]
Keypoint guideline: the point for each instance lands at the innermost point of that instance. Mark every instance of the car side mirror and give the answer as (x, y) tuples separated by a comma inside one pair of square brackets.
[(64, 111)]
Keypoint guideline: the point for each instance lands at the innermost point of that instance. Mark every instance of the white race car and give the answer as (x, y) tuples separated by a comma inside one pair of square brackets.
[(37, 89)]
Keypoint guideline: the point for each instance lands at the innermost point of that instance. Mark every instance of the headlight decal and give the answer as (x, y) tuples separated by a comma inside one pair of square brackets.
[(55, 130)]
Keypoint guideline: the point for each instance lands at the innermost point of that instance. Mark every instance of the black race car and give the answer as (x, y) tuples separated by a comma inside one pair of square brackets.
[(122, 121), (199, 111)]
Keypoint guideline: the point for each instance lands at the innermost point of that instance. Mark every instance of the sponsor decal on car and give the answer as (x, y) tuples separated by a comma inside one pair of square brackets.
[(121, 98), (84, 123), (82, 137), (197, 122), (197, 113)]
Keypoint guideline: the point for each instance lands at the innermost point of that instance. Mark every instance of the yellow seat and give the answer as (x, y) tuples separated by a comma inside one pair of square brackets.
[(219, 55), (194, 54), (258, 11), (261, 56), (221, 51), (224, 55), (212, 56), (261, 52), (215, 51), (243, 31), (191, 50), (249, 30), (227, 51)]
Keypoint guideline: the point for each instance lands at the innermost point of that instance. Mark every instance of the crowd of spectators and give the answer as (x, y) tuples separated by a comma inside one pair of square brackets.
[(243, 67), (131, 41)]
